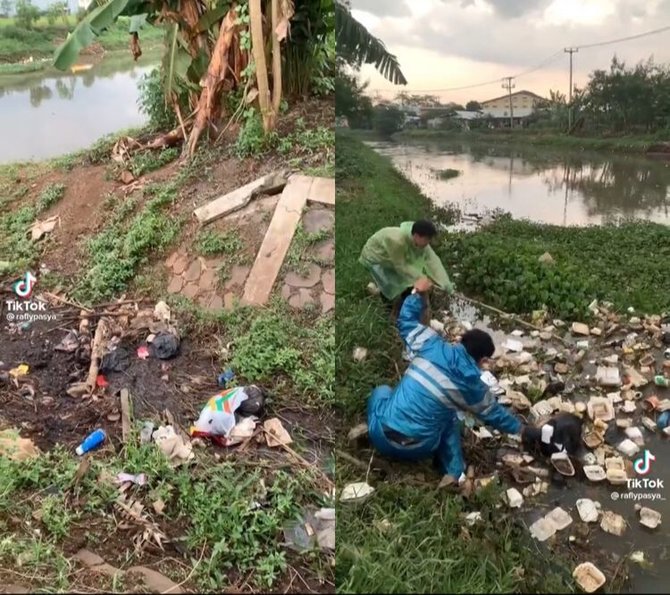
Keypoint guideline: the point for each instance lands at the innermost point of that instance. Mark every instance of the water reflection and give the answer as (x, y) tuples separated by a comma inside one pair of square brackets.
[(46, 115), (548, 185)]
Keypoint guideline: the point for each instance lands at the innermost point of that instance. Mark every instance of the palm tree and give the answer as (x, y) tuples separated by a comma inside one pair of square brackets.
[(356, 46)]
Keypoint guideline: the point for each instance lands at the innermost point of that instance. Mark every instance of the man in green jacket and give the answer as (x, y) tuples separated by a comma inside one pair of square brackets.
[(397, 257)]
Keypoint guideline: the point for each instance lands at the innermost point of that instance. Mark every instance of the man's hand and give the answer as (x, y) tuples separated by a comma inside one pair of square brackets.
[(423, 284)]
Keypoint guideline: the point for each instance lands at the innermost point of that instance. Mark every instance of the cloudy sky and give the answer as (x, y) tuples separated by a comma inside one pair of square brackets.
[(452, 43)]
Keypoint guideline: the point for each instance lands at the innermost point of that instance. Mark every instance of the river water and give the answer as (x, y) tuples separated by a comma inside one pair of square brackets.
[(561, 187), (48, 115)]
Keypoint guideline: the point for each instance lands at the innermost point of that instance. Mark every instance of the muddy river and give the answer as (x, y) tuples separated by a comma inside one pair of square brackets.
[(604, 547), (45, 115), (538, 183)]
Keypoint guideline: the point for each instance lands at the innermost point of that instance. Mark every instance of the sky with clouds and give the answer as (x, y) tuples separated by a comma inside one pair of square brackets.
[(443, 44)]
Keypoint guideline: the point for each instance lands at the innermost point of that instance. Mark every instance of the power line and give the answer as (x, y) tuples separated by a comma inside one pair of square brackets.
[(554, 57)]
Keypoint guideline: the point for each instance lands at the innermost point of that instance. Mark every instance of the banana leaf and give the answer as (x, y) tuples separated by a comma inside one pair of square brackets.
[(176, 61), (93, 24)]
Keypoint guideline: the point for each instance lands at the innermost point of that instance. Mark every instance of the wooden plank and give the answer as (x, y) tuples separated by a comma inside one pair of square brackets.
[(323, 191), (239, 198), (125, 415), (277, 240)]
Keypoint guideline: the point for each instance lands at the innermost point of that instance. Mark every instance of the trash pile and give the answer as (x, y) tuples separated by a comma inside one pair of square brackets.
[(612, 375)]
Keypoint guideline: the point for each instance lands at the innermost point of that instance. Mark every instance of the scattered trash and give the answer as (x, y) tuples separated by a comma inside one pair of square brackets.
[(91, 442), (373, 289), (314, 529), (513, 345), (649, 518), (356, 492), (663, 420), (146, 432), (276, 433), (165, 346), (173, 446), (41, 228), (542, 529), (143, 352), (162, 311), (649, 424), (594, 472), (562, 463), (579, 328), (608, 376), (19, 371), (588, 577), (560, 518), (116, 361), (661, 380), (217, 418), (69, 343), (600, 408), (226, 377), (101, 381), (140, 479), (628, 447), (635, 434), (437, 326), (472, 517), (587, 510), (613, 523), (360, 353), (16, 448), (514, 498)]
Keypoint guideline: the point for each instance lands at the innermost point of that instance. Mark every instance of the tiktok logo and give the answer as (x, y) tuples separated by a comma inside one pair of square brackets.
[(642, 465), (24, 287)]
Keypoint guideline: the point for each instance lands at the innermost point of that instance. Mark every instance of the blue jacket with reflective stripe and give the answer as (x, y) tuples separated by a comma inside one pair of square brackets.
[(441, 379)]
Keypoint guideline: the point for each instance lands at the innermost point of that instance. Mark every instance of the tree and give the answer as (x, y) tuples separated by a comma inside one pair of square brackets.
[(213, 49), (387, 119), (6, 8), (26, 13), (473, 106), (53, 12), (351, 101), (357, 46)]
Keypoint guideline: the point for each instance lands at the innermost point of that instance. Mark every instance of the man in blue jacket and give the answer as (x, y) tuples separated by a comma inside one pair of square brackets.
[(418, 418)]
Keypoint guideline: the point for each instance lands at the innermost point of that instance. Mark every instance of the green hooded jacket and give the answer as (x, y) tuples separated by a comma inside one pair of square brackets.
[(396, 263)]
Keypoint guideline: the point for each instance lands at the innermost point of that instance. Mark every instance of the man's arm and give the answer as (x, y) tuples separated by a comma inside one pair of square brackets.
[(437, 272), (414, 334), (485, 406)]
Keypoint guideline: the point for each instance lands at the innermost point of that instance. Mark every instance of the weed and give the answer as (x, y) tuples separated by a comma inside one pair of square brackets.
[(447, 174), (50, 196), (211, 242), (295, 259), (147, 161), (118, 251), (252, 139)]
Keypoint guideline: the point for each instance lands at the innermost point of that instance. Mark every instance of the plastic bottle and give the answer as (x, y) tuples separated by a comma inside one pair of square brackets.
[(226, 377), (661, 380), (91, 442), (663, 420)]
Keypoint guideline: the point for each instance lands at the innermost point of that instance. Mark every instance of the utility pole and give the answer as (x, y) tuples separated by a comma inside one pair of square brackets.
[(570, 51), (509, 86)]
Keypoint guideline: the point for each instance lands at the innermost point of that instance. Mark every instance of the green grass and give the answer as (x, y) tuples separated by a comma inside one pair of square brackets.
[(447, 174), (210, 243), (148, 161), (125, 244), (623, 144), (424, 550), (7, 69), (18, 43), (210, 501)]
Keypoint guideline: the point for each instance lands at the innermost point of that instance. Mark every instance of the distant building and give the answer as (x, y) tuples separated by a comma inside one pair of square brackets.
[(523, 104)]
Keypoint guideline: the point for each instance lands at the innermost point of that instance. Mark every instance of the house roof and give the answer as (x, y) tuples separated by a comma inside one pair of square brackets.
[(522, 92)]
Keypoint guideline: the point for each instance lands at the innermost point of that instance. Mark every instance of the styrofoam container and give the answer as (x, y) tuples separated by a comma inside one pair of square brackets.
[(542, 529), (594, 472), (587, 510), (588, 577), (649, 518), (628, 447), (613, 523)]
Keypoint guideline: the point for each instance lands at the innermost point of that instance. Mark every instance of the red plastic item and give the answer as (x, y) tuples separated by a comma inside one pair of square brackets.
[(101, 381), (143, 352)]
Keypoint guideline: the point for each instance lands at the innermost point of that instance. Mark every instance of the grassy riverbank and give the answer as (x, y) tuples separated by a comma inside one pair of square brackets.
[(622, 144), (18, 43), (407, 537)]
